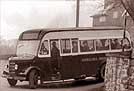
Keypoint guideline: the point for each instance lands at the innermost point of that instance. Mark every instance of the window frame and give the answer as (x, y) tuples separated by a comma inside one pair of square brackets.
[(102, 19), (77, 45), (61, 50), (128, 42), (120, 44), (115, 15), (86, 52), (49, 52), (109, 46)]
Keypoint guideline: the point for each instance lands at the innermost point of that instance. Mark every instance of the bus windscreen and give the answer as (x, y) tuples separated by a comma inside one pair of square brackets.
[(30, 36)]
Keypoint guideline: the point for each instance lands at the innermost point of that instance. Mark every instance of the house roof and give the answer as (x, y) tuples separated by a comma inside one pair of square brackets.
[(98, 15)]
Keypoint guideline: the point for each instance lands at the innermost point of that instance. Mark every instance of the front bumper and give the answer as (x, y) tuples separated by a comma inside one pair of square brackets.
[(8, 76)]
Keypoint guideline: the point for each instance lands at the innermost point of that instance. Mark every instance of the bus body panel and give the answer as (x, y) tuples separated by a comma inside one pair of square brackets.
[(89, 64), (70, 67), (45, 66)]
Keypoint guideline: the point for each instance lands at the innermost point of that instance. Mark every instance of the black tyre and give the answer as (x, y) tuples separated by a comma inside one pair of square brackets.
[(12, 82), (101, 75), (33, 79)]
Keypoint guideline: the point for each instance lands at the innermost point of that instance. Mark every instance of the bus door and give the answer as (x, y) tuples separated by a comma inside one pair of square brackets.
[(55, 56), (44, 59)]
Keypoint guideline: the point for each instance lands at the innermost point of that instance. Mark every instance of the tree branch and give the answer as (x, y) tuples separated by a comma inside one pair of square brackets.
[(129, 6)]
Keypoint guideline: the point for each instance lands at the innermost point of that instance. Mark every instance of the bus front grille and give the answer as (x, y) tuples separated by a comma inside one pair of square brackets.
[(11, 68)]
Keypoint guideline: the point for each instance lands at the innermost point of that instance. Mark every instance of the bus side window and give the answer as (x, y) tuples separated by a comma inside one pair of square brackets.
[(65, 46), (54, 47), (91, 45), (102, 44), (116, 43), (105, 44), (44, 50), (74, 45), (126, 43), (86, 45), (98, 44)]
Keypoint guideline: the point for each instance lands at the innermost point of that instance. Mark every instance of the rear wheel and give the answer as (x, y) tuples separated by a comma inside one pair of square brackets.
[(12, 82), (33, 79), (101, 74)]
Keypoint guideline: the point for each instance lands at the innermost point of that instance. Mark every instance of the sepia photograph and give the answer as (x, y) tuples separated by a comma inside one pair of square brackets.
[(66, 45)]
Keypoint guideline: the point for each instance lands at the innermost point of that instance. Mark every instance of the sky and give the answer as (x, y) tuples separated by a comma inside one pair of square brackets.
[(20, 15)]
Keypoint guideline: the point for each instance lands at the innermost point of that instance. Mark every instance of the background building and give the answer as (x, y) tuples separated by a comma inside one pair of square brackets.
[(113, 16)]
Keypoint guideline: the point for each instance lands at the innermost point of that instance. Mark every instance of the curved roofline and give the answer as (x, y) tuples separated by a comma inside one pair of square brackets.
[(74, 28), (43, 31)]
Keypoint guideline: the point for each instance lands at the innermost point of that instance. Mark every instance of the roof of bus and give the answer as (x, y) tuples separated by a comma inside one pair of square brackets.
[(73, 29), (43, 31)]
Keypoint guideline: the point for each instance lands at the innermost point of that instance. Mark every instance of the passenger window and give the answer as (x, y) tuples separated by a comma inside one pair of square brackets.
[(44, 50), (116, 44), (102, 44), (56, 42), (54, 48), (74, 45), (91, 45), (126, 44), (65, 46), (86, 45)]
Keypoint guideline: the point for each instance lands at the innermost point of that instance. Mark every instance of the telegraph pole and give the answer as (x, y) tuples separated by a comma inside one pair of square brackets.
[(77, 12), (125, 23)]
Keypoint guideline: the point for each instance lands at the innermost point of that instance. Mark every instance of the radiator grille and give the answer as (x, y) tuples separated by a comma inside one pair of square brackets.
[(12, 68)]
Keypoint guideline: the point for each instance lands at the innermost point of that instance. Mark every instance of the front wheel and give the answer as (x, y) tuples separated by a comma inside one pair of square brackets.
[(33, 79), (12, 82)]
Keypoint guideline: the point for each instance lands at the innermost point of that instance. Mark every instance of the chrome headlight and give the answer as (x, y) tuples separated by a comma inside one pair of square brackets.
[(16, 66), (10, 58)]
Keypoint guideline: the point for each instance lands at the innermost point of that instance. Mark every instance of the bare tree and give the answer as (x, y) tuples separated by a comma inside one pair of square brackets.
[(129, 6)]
